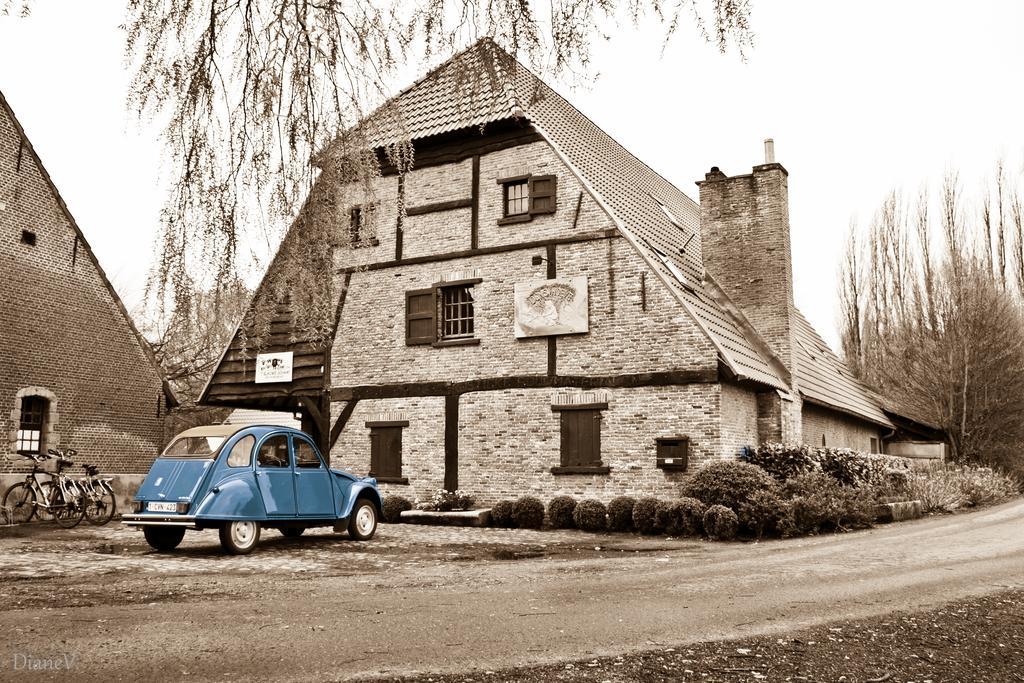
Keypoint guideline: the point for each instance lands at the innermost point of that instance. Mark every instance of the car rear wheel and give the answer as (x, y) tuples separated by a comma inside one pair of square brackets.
[(240, 537), (363, 522), (292, 531), (164, 538)]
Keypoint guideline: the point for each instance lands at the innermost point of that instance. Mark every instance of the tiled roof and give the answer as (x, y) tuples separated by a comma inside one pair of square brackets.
[(636, 194), (823, 378)]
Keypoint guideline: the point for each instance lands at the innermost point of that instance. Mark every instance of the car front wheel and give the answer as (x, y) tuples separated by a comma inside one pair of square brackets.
[(363, 522), (164, 538), (240, 537)]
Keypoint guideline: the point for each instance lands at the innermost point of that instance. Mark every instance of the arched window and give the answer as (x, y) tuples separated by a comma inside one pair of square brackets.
[(32, 424)]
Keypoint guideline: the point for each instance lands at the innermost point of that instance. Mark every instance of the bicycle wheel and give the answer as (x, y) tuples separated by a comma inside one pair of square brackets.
[(99, 506), (67, 510), (20, 502)]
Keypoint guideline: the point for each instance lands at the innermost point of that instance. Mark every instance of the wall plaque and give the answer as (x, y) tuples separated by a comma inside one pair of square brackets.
[(549, 307)]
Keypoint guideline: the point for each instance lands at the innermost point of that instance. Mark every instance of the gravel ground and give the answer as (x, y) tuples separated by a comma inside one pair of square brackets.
[(969, 641)]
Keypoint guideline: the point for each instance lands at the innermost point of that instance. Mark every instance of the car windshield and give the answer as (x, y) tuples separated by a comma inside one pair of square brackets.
[(194, 447)]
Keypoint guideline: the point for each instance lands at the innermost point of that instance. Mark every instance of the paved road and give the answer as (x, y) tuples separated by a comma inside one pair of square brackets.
[(438, 615)]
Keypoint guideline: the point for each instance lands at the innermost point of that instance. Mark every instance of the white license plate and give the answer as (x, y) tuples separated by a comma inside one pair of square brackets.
[(162, 507)]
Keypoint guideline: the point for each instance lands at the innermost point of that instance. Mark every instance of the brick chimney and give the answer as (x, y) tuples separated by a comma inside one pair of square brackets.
[(746, 249)]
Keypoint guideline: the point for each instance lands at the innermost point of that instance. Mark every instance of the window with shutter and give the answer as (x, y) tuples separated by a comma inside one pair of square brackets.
[(420, 317), (386, 451), (542, 194), (580, 440), (457, 312)]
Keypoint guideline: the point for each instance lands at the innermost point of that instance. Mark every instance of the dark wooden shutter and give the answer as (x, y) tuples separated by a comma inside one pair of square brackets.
[(542, 194), (581, 438), (420, 317), (386, 452)]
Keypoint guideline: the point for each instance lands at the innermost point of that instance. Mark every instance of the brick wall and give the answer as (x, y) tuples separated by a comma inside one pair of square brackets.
[(839, 430), (509, 440), (739, 420), (746, 248), (63, 334)]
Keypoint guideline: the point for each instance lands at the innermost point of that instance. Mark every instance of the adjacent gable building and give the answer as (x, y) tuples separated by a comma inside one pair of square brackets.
[(549, 315), (74, 371)]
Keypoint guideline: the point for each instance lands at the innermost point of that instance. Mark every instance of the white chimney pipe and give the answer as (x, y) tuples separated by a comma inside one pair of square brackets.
[(769, 151)]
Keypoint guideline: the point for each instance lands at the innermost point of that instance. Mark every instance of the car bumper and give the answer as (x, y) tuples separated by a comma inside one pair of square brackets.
[(149, 519)]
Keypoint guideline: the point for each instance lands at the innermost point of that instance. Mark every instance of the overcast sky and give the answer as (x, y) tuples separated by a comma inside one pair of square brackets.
[(860, 97)]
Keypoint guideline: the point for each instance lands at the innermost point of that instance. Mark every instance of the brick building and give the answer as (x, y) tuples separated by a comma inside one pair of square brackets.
[(74, 371), (548, 314)]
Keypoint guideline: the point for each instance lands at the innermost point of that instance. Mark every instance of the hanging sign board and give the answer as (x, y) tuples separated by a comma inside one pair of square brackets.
[(273, 367), (549, 307)]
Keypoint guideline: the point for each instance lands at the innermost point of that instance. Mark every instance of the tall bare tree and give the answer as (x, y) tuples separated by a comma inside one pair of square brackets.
[(943, 334)]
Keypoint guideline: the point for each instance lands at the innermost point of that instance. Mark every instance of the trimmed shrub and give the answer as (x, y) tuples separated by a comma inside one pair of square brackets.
[(620, 513), (501, 514), (645, 515), (528, 513), (784, 461), (560, 511), (818, 502), (848, 467), (720, 523), (691, 516), (590, 515), (762, 512), (683, 517), (394, 506), (728, 482), (663, 514)]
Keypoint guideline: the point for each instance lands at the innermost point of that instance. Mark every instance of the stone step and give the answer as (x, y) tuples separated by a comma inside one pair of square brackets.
[(455, 518), (897, 512)]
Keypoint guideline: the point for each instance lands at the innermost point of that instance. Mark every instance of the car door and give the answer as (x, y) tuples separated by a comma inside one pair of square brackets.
[(313, 495), (274, 476)]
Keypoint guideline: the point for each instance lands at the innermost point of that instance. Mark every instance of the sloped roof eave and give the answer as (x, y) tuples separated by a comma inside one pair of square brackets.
[(884, 422)]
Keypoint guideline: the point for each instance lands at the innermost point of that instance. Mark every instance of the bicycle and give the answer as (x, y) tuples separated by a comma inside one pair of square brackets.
[(61, 499), (100, 504)]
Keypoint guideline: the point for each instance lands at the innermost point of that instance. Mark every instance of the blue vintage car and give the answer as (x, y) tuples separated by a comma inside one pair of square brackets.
[(240, 479)]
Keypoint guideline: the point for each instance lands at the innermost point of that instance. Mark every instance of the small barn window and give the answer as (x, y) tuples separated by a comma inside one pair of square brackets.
[(517, 197), (580, 439), (361, 230), (874, 445), (31, 424), (386, 451), (526, 196), (28, 237), (457, 312)]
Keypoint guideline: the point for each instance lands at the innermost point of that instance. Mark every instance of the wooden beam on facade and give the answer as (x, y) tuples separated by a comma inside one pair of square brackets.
[(411, 389)]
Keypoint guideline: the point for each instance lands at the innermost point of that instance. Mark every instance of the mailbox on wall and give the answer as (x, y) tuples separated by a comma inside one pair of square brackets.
[(673, 453)]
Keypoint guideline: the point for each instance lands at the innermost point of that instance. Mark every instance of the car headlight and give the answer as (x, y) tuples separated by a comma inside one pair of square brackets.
[(182, 507), (138, 505)]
